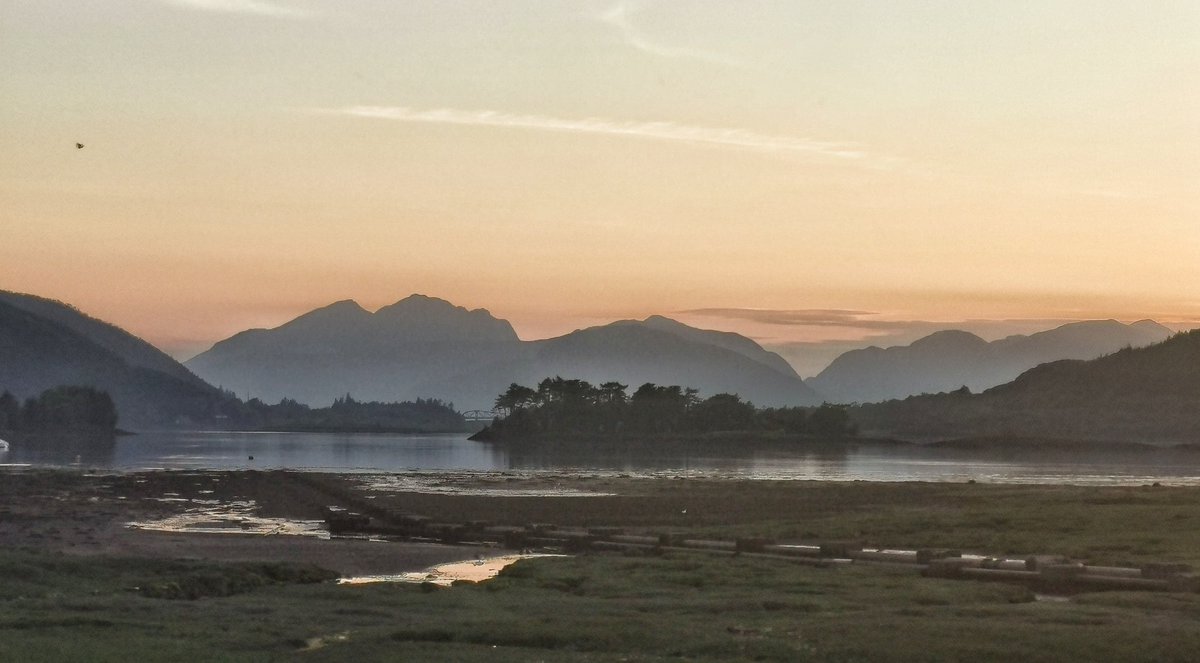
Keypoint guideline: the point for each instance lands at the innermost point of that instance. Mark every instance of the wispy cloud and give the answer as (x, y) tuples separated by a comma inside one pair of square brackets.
[(665, 131), (257, 7), (874, 327), (620, 17), (799, 317)]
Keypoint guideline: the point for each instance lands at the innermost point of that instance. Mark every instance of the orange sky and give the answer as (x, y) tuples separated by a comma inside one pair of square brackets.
[(574, 163)]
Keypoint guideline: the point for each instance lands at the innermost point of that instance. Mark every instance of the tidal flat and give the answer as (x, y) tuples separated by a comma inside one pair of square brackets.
[(76, 583)]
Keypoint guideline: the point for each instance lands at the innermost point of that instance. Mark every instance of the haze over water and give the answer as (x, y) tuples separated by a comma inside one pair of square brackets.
[(437, 454)]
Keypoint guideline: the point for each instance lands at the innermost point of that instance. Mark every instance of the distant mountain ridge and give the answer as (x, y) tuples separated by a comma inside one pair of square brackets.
[(951, 359), (44, 344), (1148, 394), (427, 347)]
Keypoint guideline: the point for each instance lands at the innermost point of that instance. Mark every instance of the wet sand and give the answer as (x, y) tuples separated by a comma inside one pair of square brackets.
[(89, 514)]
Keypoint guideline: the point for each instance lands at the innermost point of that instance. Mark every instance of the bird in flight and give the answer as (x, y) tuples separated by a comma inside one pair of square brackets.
[(79, 146)]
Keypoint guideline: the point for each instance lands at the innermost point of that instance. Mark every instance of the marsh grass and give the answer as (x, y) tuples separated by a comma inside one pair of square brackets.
[(584, 608)]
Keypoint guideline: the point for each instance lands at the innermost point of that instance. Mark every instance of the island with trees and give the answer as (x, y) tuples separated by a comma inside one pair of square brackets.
[(565, 410), (65, 408)]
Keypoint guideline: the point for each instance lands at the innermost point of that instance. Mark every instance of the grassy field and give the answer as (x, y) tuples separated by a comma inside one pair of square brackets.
[(55, 608)]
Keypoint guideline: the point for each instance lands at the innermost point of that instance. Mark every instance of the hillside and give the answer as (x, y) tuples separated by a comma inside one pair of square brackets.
[(37, 353), (951, 359), (129, 348), (1136, 394)]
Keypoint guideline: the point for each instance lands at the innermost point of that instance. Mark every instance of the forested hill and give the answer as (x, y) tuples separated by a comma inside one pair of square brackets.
[(950, 359), (1137, 394), (128, 348), (38, 353)]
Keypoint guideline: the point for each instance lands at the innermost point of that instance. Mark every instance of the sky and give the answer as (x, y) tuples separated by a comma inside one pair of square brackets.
[(816, 175)]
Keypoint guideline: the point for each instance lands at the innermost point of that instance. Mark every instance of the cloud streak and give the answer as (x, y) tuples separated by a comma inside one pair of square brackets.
[(877, 329), (254, 7), (799, 317), (663, 131), (619, 17)]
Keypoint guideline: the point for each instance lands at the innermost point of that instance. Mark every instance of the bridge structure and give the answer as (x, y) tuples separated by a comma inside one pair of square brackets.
[(480, 415)]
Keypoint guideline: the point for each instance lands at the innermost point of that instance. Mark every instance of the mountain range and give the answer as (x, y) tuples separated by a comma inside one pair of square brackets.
[(1145, 394), (44, 343), (422, 347), (952, 359)]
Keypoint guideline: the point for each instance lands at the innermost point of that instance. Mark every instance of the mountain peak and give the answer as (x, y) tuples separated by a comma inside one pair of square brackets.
[(343, 306), (346, 309), (419, 300), (947, 337), (1151, 326)]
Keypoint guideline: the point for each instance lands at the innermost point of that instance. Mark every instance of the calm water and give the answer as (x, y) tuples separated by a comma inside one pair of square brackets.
[(396, 453)]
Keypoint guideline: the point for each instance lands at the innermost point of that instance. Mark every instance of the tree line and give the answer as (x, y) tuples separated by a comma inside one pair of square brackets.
[(87, 408), (576, 407), (65, 407), (424, 415)]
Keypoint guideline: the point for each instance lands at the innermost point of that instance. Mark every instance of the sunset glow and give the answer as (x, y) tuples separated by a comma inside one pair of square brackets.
[(568, 164)]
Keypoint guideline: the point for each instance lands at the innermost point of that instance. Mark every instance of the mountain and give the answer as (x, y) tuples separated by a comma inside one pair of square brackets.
[(1147, 394), (44, 343), (423, 347), (951, 359), (389, 355), (633, 353), (728, 340)]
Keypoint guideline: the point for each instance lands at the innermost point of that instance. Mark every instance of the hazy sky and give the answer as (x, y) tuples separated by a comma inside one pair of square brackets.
[(568, 163)]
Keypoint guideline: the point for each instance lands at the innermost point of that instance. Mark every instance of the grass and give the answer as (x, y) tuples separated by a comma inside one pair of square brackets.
[(56, 607), (590, 608)]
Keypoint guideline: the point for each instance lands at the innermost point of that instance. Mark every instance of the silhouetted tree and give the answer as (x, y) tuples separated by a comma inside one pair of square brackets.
[(723, 412), (516, 397), (70, 407), (829, 421)]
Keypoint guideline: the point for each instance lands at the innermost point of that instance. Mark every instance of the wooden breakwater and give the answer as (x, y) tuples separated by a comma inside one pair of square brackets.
[(358, 516), (1051, 573)]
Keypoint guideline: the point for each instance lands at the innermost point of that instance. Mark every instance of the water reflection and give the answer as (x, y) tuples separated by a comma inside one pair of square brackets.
[(78, 449), (400, 453)]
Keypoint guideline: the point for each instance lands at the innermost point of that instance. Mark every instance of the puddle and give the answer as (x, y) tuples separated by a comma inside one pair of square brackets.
[(476, 570), (214, 517), (466, 484), (312, 644)]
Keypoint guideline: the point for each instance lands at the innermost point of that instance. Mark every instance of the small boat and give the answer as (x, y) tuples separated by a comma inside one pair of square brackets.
[(3, 445)]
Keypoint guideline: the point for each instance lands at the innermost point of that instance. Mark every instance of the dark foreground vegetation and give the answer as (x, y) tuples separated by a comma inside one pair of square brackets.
[(592, 608), (566, 409)]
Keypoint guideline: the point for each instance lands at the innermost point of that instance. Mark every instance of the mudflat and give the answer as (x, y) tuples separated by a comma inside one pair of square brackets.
[(91, 514), (88, 513)]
